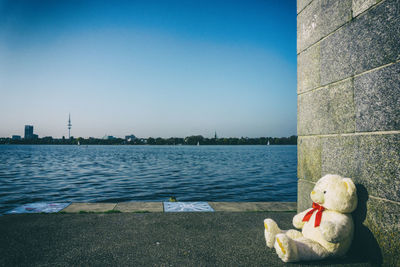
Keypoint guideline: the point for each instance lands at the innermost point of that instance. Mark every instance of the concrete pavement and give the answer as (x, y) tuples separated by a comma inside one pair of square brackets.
[(143, 239)]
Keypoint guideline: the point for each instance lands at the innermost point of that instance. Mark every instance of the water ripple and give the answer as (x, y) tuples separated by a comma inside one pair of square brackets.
[(146, 173)]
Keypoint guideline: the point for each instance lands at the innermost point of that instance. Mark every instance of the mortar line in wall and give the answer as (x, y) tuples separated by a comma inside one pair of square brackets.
[(354, 105), (384, 199), (326, 85), (371, 7), (350, 134), (305, 7), (323, 38), (351, 77)]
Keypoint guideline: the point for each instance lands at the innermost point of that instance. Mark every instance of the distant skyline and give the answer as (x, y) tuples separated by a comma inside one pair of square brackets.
[(149, 68)]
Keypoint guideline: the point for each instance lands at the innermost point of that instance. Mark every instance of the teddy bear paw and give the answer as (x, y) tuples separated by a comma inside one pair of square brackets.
[(285, 248), (271, 229)]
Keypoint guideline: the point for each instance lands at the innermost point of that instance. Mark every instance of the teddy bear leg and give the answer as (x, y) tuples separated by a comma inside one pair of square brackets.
[(286, 248), (310, 250), (294, 234), (271, 230)]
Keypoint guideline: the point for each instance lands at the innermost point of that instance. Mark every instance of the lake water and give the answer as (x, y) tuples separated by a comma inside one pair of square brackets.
[(146, 173)]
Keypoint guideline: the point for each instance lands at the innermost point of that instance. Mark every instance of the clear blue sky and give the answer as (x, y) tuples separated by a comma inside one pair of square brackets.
[(150, 68)]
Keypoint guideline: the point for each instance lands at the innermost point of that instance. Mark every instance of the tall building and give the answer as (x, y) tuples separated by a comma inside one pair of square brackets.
[(28, 132), (69, 126)]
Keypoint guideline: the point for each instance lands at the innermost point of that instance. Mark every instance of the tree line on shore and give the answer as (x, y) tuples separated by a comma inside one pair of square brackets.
[(190, 140)]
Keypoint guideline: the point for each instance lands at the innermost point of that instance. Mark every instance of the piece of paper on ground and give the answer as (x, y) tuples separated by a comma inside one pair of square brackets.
[(38, 208), (187, 207)]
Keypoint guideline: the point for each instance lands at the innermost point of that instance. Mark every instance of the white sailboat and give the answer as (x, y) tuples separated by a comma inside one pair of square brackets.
[(198, 143), (268, 143)]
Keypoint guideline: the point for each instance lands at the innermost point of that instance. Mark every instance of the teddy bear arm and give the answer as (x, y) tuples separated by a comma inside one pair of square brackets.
[(298, 219)]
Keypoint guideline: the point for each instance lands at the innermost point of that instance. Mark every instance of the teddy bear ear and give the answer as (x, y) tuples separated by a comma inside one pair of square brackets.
[(350, 186)]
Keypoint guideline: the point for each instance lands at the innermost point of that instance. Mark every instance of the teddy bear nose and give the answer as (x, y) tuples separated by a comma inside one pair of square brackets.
[(317, 196)]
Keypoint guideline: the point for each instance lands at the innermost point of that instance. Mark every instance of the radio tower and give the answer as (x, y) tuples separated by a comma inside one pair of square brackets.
[(69, 126)]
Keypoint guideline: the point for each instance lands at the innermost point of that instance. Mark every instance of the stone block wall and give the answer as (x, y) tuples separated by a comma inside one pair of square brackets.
[(348, 61)]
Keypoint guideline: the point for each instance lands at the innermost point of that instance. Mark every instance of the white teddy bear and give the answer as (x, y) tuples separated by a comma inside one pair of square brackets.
[(327, 227)]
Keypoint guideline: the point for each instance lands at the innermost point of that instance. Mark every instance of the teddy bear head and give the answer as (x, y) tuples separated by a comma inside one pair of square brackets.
[(335, 193)]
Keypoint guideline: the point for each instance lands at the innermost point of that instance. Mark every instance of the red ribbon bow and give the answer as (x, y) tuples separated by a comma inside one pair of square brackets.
[(317, 217)]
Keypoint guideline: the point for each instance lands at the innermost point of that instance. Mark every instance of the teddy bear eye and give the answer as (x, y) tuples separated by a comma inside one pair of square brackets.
[(324, 192)]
